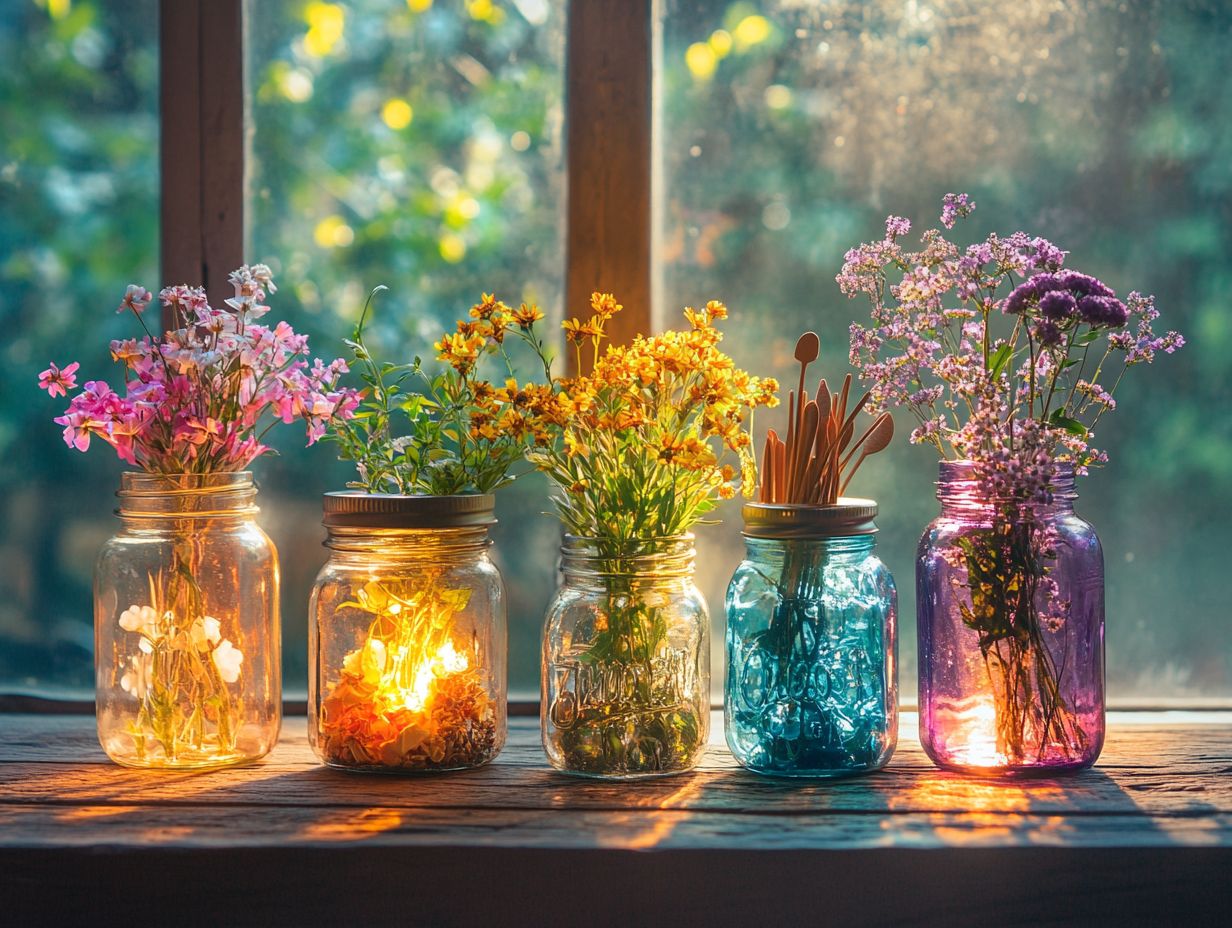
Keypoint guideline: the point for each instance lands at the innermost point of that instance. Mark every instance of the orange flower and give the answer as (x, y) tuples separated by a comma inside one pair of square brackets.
[(526, 316)]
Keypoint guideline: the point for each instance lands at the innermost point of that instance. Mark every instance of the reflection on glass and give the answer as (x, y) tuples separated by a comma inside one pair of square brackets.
[(791, 128), (415, 145)]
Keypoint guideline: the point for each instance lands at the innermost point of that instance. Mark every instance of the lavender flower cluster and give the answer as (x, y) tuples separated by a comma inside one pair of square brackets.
[(1006, 376)]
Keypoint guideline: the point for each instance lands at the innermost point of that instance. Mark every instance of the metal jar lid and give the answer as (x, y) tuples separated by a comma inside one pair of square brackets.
[(356, 509), (848, 516)]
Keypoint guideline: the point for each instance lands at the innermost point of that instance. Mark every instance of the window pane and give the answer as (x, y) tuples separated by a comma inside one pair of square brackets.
[(78, 222), (415, 145), (790, 130)]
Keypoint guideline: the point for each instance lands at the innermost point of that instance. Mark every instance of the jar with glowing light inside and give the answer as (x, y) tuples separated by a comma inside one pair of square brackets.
[(1011, 631), (407, 635), (186, 637), (812, 683)]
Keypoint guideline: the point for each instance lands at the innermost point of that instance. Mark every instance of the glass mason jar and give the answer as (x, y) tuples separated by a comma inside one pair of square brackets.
[(812, 677), (626, 661), (186, 634), (1011, 631), (407, 639)]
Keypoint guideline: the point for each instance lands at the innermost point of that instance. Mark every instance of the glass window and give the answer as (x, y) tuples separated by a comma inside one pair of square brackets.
[(78, 222), (790, 129), (415, 145)]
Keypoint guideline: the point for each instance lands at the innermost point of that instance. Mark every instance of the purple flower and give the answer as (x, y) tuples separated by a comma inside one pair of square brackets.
[(1084, 284), (955, 206), (1047, 255), (1016, 303), (1047, 283), (1103, 311), (1057, 305), (896, 226), (1047, 332)]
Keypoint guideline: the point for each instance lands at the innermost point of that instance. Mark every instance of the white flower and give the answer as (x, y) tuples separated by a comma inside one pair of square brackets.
[(227, 658), (206, 632), (136, 679), (143, 619)]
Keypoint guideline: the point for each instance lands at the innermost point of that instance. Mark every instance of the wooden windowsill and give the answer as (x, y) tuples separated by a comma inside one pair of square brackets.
[(1144, 837)]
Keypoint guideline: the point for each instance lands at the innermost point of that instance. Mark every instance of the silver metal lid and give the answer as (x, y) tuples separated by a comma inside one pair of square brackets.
[(848, 516), (356, 509)]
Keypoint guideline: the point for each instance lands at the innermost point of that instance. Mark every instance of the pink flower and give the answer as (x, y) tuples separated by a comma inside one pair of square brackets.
[(135, 298), (58, 382), (78, 426)]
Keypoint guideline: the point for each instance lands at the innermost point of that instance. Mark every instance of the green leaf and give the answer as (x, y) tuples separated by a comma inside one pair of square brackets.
[(999, 360), (1059, 420)]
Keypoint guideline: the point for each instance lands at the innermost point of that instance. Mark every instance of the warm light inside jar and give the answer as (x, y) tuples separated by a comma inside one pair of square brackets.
[(447, 660), (409, 696), (969, 734)]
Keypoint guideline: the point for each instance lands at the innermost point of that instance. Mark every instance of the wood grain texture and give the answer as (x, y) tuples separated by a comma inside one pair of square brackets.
[(203, 142), (609, 122), (1144, 838)]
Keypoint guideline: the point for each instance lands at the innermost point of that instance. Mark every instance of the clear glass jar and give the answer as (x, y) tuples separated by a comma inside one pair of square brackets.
[(812, 677), (1011, 631), (407, 636), (626, 661), (186, 634)]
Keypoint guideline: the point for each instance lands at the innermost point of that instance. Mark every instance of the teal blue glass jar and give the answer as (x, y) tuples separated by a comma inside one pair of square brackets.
[(812, 679)]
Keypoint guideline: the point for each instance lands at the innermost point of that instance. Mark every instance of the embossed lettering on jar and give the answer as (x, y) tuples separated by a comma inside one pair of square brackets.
[(811, 643), (626, 661)]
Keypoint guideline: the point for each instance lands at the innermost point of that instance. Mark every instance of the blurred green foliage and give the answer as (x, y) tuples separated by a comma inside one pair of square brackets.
[(791, 130), (418, 144)]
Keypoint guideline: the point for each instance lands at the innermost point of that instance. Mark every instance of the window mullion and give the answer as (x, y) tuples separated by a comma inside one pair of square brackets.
[(609, 109), (203, 141)]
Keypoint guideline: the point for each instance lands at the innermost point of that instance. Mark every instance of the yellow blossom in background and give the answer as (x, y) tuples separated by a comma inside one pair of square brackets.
[(397, 113), (333, 232), (326, 23), (701, 60), (485, 11), (57, 9), (452, 247), (750, 31), (419, 6)]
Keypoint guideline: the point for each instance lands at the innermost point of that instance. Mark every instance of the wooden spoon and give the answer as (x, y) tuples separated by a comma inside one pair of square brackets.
[(780, 468), (874, 440), (808, 349), (767, 469), (805, 438)]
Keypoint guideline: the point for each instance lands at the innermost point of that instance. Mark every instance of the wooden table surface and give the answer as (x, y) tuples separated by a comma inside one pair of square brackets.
[(1143, 838)]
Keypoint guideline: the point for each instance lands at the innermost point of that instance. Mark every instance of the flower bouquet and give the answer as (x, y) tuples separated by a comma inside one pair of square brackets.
[(1001, 355), (185, 596), (637, 455), (408, 635)]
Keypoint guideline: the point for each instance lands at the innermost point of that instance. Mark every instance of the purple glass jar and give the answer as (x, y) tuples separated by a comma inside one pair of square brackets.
[(1011, 631)]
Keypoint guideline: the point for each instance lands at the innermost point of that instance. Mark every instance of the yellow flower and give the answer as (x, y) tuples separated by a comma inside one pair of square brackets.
[(459, 350), (604, 305), (526, 316), (574, 446), (574, 331)]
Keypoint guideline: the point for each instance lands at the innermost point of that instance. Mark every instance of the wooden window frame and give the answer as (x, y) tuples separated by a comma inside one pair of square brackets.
[(609, 123)]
